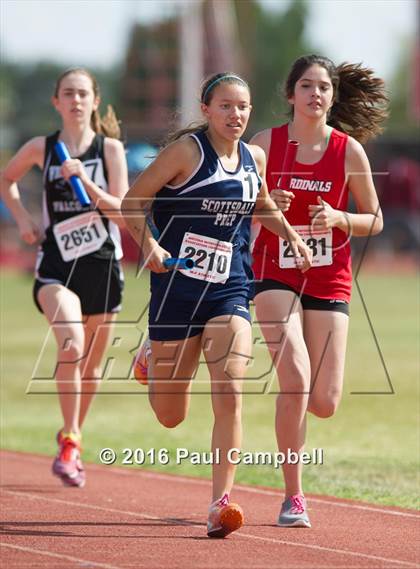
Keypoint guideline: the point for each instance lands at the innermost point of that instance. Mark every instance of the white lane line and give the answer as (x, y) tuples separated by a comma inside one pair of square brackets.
[(202, 482), (85, 562), (329, 549), (240, 534), (338, 504), (136, 565), (88, 506), (262, 491)]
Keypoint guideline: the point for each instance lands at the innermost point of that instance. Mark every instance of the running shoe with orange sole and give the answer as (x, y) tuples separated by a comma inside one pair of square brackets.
[(224, 518), (68, 464), (141, 362)]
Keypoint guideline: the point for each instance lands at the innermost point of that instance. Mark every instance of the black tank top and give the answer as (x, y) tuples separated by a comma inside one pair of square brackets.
[(60, 202)]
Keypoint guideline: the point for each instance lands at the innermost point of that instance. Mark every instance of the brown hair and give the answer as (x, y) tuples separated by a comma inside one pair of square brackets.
[(108, 125), (360, 102), (206, 95)]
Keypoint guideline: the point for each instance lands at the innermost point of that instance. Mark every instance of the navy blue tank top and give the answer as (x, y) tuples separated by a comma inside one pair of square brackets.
[(208, 219)]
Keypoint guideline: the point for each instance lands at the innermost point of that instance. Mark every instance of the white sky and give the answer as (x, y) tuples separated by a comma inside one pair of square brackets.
[(96, 32)]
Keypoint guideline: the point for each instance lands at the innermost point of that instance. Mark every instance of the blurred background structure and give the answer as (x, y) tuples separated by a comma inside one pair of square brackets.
[(151, 64)]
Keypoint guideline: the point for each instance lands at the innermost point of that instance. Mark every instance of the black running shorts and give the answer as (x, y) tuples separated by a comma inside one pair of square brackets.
[(308, 302), (97, 282)]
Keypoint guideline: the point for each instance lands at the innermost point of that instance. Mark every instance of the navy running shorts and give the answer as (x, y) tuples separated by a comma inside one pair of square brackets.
[(177, 319)]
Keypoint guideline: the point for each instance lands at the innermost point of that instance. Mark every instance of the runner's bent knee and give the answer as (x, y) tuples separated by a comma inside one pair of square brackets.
[(326, 405)]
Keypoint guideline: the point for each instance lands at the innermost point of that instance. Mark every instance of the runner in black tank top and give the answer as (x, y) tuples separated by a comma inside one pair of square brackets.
[(60, 202), (60, 259), (78, 279)]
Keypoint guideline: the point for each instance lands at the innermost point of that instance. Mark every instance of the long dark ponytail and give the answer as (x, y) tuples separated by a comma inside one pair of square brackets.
[(360, 102)]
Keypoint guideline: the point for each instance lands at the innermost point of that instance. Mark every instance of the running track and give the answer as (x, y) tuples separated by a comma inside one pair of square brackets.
[(127, 518)]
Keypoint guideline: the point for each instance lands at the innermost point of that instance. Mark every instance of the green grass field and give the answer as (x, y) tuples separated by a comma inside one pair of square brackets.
[(371, 446)]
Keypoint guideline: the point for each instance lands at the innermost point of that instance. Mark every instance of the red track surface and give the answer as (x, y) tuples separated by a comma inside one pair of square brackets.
[(135, 518)]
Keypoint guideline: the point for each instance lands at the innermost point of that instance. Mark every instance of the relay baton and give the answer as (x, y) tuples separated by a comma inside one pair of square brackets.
[(75, 181), (176, 263), (173, 263), (289, 159)]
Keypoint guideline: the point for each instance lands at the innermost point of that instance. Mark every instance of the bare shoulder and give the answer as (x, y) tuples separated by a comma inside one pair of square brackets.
[(36, 146), (259, 156), (173, 165), (355, 153), (114, 150), (353, 146), (38, 142), (32, 152), (113, 144), (184, 151), (262, 139), (188, 145)]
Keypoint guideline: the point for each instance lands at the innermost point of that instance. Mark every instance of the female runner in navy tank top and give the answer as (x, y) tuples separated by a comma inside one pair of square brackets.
[(77, 287), (310, 312), (205, 187)]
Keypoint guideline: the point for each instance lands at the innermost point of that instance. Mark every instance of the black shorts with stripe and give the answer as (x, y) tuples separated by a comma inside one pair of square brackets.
[(308, 302)]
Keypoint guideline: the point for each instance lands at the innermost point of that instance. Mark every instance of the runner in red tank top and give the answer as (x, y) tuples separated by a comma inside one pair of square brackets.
[(304, 316), (330, 275)]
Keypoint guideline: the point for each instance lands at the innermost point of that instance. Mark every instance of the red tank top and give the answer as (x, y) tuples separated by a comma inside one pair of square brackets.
[(330, 276)]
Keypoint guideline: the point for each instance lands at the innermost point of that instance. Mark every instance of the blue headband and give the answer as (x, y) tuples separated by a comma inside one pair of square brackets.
[(213, 83)]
